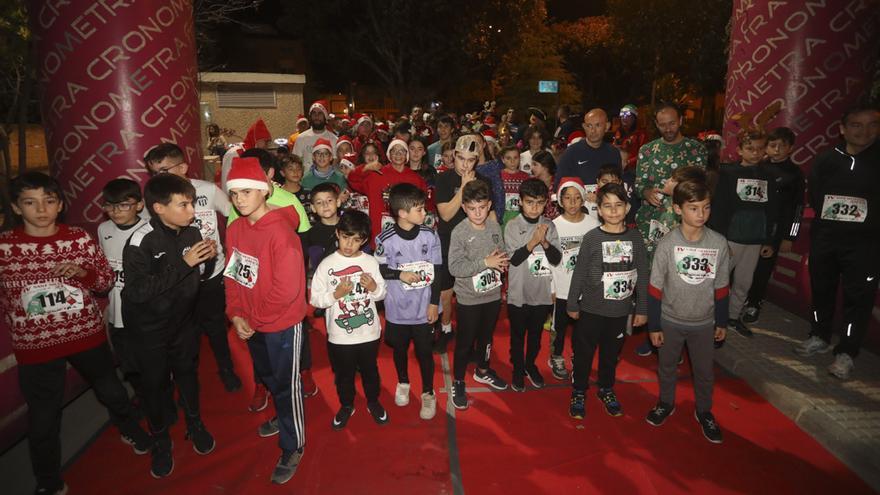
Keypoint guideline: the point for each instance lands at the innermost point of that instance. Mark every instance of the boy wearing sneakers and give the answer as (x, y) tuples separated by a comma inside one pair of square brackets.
[(477, 259), (409, 259), (266, 300), (163, 261), (571, 227), (122, 203), (348, 283), (47, 277), (612, 269), (688, 302), (533, 246)]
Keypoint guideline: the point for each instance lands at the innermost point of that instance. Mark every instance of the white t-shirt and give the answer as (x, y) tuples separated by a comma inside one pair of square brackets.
[(570, 236), (306, 141), (210, 201), (112, 240)]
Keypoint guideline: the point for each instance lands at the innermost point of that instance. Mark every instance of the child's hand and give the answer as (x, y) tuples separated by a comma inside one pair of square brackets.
[(639, 320), (409, 278), (766, 251), (368, 282), (433, 313), (497, 260), (200, 252), (669, 187), (343, 288), (785, 246), (654, 196), (657, 338), (574, 315), (720, 334), (69, 270), (373, 167), (539, 236), (242, 328), (467, 177)]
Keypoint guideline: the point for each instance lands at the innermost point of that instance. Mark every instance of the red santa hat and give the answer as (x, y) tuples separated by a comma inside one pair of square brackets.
[(575, 136), (301, 118), (322, 144), (574, 182), (364, 119), (246, 173), (321, 106), (382, 127), (489, 135), (398, 142), (344, 139), (256, 132), (349, 160), (489, 121)]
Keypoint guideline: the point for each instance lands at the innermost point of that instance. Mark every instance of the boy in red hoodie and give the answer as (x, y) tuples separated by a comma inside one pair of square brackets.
[(266, 302)]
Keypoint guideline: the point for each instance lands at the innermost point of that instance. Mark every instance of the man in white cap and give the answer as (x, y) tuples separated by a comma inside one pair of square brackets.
[(318, 116)]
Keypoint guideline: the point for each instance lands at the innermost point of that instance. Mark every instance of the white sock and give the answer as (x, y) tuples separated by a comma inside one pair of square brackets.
[(446, 327)]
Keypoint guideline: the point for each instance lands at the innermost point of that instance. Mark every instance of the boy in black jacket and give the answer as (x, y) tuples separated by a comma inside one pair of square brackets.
[(744, 210), (162, 262)]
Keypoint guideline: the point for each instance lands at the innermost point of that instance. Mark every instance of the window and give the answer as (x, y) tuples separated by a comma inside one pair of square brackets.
[(246, 95)]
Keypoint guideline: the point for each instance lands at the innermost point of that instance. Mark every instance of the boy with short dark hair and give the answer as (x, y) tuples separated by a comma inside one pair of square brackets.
[(267, 303), (47, 277), (744, 210), (533, 246), (320, 240), (409, 259), (476, 259), (348, 283), (687, 302), (163, 261), (122, 204)]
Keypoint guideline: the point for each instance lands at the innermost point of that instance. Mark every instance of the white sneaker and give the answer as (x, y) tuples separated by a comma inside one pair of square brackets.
[(401, 395), (813, 345), (429, 406), (842, 366)]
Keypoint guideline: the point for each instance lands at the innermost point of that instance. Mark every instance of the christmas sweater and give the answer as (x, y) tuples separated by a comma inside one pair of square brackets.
[(50, 317), (376, 186)]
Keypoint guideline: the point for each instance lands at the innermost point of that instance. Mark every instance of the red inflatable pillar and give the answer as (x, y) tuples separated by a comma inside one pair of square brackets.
[(116, 77)]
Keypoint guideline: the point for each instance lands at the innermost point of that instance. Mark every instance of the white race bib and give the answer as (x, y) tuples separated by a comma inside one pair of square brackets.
[(487, 280), (656, 230), (387, 222), (619, 285), (538, 264), (754, 190), (206, 221), (118, 275), (357, 293), (844, 208), (51, 297), (511, 201), (425, 271), (360, 202), (570, 259), (242, 268), (694, 265), (431, 220), (617, 251)]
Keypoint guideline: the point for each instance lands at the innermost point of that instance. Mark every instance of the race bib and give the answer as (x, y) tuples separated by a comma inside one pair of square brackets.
[(51, 297), (387, 222), (360, 202), (487, 280), (425, 271), (118, 275), (538, 264), (617, 252), (619, 285), (206, 221), (511, 201), (591, 188), (431, 220), (844, 208), (754, 190), (694, 265), (569, 259), (242, 268), (656, 230)]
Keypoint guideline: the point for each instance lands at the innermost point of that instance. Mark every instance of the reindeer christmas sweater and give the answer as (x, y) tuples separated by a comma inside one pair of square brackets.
[(50, 317)]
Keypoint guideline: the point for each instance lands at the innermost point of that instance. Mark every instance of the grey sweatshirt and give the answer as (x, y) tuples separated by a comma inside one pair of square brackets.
[(529, 282), (468, 247), (611, 271)]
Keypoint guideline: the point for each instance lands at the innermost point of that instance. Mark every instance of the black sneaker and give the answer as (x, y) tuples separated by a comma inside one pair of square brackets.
[(609, 399), (535, 377), (645, 349), (709, 426), (286, 467), (341, 419), (740, 328), (162, 463), (459, 397), (490, 378), (203, 442), (518, 382), (379, 414), (57, 488), (657, 416), (576, 409), (132, 434), (751, 314), (269, 428), (230, 380)]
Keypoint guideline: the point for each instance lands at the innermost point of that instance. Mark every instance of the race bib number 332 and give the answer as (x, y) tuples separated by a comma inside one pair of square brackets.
[(844, 208)]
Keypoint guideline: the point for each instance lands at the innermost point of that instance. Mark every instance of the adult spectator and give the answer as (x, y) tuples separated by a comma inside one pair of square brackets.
[(565, 124), (629, 137), (583, 158), (318, 116)]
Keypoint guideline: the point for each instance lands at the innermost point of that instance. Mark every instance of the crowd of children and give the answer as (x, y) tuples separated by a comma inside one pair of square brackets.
[(353, 236)]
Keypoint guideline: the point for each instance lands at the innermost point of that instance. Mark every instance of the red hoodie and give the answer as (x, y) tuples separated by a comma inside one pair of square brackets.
[(375, 185), (267, 285)]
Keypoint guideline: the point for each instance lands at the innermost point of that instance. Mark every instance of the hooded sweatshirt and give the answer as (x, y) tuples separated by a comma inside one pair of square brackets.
[(266, 272), (376, 185)]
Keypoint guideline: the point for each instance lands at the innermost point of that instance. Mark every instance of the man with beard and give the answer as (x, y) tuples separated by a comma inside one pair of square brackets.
[(318, 115)]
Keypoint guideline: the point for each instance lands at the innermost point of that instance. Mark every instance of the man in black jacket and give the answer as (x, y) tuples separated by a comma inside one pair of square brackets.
[(162, 262), (844, 186)]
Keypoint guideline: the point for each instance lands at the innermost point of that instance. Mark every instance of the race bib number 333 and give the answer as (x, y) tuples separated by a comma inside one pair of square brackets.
[(694, 265)]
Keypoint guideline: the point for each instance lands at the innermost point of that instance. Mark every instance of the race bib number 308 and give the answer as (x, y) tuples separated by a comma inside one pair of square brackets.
[(844, 208), (694, 265)]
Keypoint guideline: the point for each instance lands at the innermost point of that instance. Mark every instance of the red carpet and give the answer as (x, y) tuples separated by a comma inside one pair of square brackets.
[(507, 442)]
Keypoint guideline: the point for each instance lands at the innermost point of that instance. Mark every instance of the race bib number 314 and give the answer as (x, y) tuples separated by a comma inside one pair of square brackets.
[(754, 190)]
